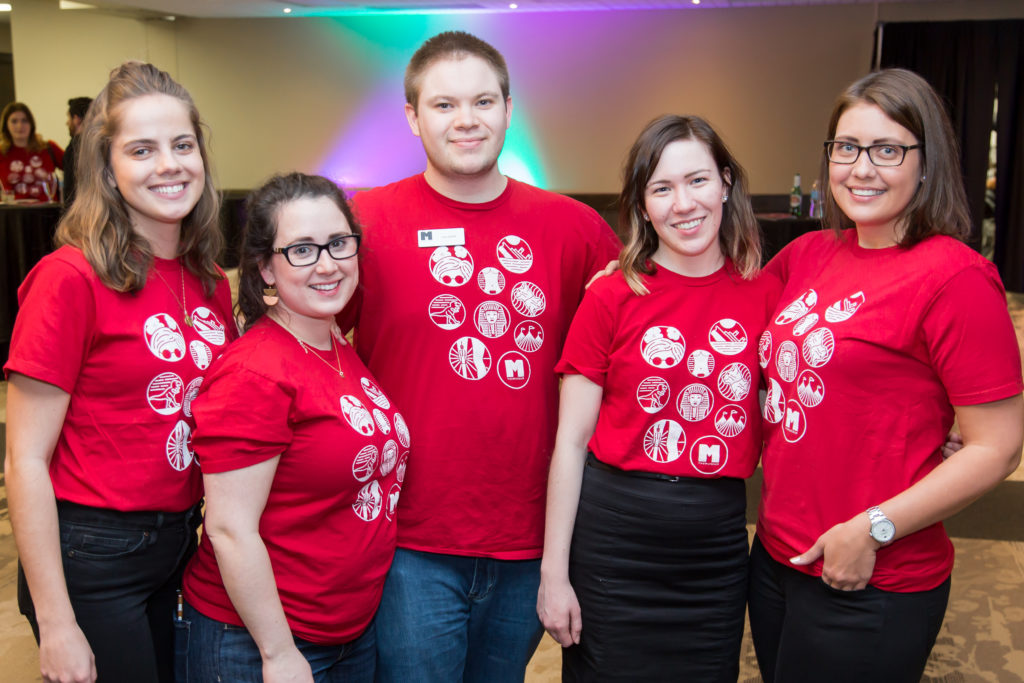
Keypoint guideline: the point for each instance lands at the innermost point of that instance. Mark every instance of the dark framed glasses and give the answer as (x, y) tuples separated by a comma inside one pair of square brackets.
[(307, 253)]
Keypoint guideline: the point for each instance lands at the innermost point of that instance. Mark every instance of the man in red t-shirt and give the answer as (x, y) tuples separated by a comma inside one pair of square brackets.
[(470, 282)]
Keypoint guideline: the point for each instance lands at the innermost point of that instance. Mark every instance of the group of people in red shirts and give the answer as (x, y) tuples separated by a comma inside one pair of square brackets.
[(424, 505)]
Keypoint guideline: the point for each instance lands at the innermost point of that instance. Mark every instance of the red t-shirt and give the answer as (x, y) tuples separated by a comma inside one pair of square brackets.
[(679, 370), (328, 524), (464, 311), (132, 366), (25, 172), (864, 359)]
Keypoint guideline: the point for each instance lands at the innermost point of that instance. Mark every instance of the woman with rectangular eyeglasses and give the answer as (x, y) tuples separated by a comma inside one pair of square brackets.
[(889, 327), (303, 458)]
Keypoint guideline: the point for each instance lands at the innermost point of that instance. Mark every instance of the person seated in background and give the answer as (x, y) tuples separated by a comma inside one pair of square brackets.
[(77, 109), (27, 161)]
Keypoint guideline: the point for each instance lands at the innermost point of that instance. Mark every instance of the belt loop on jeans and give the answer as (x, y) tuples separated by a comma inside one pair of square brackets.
[(592, 461)]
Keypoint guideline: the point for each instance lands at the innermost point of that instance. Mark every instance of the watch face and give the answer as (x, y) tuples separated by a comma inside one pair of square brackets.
[(883, 531)]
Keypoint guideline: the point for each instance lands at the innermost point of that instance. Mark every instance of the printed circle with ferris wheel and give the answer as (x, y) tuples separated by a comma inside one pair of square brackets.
[(368, 502), (469, 358), (451, 266), (513, 370), (662, 346), (708, 454), (514, 254), (664, 441), (775, 402), (179, 446)]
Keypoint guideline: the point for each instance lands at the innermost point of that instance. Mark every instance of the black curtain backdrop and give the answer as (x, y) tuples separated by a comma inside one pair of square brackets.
[(968, 63)]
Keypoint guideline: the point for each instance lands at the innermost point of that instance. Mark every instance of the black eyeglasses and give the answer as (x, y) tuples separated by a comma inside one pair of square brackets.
[(306, 253), (886, 154)]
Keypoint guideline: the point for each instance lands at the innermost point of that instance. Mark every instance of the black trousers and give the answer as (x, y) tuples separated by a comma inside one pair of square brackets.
[(123, 570), (660, 571), (805, 631)]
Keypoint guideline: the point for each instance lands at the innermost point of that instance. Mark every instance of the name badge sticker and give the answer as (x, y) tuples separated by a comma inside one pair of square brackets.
[(441, 237)]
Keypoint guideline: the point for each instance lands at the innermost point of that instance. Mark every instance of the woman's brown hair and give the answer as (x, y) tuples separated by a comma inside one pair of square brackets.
[(98, 222), (939, 207), (739, 234), (36, 143)]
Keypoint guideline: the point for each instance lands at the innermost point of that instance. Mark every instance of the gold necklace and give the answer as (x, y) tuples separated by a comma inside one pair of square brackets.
[(181, 301), (309, 348)]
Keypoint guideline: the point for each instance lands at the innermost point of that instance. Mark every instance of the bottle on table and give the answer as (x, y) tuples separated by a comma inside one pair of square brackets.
[(796, 198), (815, 210)]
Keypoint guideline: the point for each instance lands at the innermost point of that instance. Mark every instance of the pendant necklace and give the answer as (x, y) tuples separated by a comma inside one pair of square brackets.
[(181, 301), (310, 349)]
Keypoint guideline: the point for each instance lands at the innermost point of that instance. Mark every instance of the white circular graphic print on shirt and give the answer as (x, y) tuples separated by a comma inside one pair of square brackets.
[(652, 394), (365, 463), (166, 393), (514, 254), (708, 454), (209, 327), (727, 336), (700, 363), (775, 402), (451, 266), (469, 358), (662, 346), (730, 420), (382, 421), (734, 382), (356, 414), (202, 356), (794, 422), (179, 446), (392, 502), (388, 457), (491, 280), (695, 403), (804, 324), (164, 338), (447, 311), (798, 309), (191, 391), (374, 393), (818, 347), (491, 319), (368, 502), (529, 336), (764, 348), (401, 430), (665, 441), (403, 463), (513, 369), (787, 360), (844, 308), (810, 389), (528, 299)]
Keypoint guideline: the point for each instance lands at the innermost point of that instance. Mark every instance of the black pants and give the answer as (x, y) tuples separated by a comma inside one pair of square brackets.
[(805, 631), (123, 570), (660, 571)]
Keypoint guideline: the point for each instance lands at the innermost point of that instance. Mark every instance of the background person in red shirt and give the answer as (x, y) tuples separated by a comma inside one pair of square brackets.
[(114, 333), (27, 160)]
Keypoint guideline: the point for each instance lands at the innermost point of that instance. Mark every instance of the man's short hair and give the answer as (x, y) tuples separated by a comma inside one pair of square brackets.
[(452, 45), (79, 106)]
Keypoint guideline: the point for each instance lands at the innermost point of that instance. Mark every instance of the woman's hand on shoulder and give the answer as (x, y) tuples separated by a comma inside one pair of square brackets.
[(848, 552), (65, 655), (559, 610), (608, 271), (288, 666)]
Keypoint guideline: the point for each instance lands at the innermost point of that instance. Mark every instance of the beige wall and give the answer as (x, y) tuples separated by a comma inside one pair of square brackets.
[(278, 93)]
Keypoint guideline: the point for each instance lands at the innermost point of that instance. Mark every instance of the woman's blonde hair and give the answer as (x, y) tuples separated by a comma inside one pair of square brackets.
[(98, 222), (739, 234)]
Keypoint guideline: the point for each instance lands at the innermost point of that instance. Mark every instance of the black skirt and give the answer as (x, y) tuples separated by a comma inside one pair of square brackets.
[(660, 571)]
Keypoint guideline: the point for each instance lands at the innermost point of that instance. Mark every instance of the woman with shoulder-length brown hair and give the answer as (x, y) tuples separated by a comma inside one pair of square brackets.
[(658, 426), (891, 327), (27, 160), (114, 333)]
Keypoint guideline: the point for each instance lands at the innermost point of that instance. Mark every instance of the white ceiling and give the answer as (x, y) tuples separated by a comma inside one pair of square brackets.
[(275, 8)]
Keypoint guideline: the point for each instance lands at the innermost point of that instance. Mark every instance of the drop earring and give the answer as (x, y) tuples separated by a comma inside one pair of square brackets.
[(270, 297), (725, 197)]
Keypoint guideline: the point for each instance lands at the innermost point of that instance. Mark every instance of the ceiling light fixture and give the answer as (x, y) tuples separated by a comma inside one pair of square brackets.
[(287, 10)]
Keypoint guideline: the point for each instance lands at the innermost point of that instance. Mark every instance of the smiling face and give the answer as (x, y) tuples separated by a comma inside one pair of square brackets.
[(20, 128), (874, 197), (310, 296), (155, 163), (461, 117), (683, 201)]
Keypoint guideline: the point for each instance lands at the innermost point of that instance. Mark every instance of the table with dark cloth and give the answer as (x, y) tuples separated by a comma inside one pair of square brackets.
[(780, 229), (26, 233)]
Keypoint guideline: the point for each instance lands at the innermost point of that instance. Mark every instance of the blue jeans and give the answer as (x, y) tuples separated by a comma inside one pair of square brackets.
[(210, 650), (446, 618), (122, 570)]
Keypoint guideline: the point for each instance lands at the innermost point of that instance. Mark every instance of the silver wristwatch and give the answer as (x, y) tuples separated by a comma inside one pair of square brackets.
[(882, 528)]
